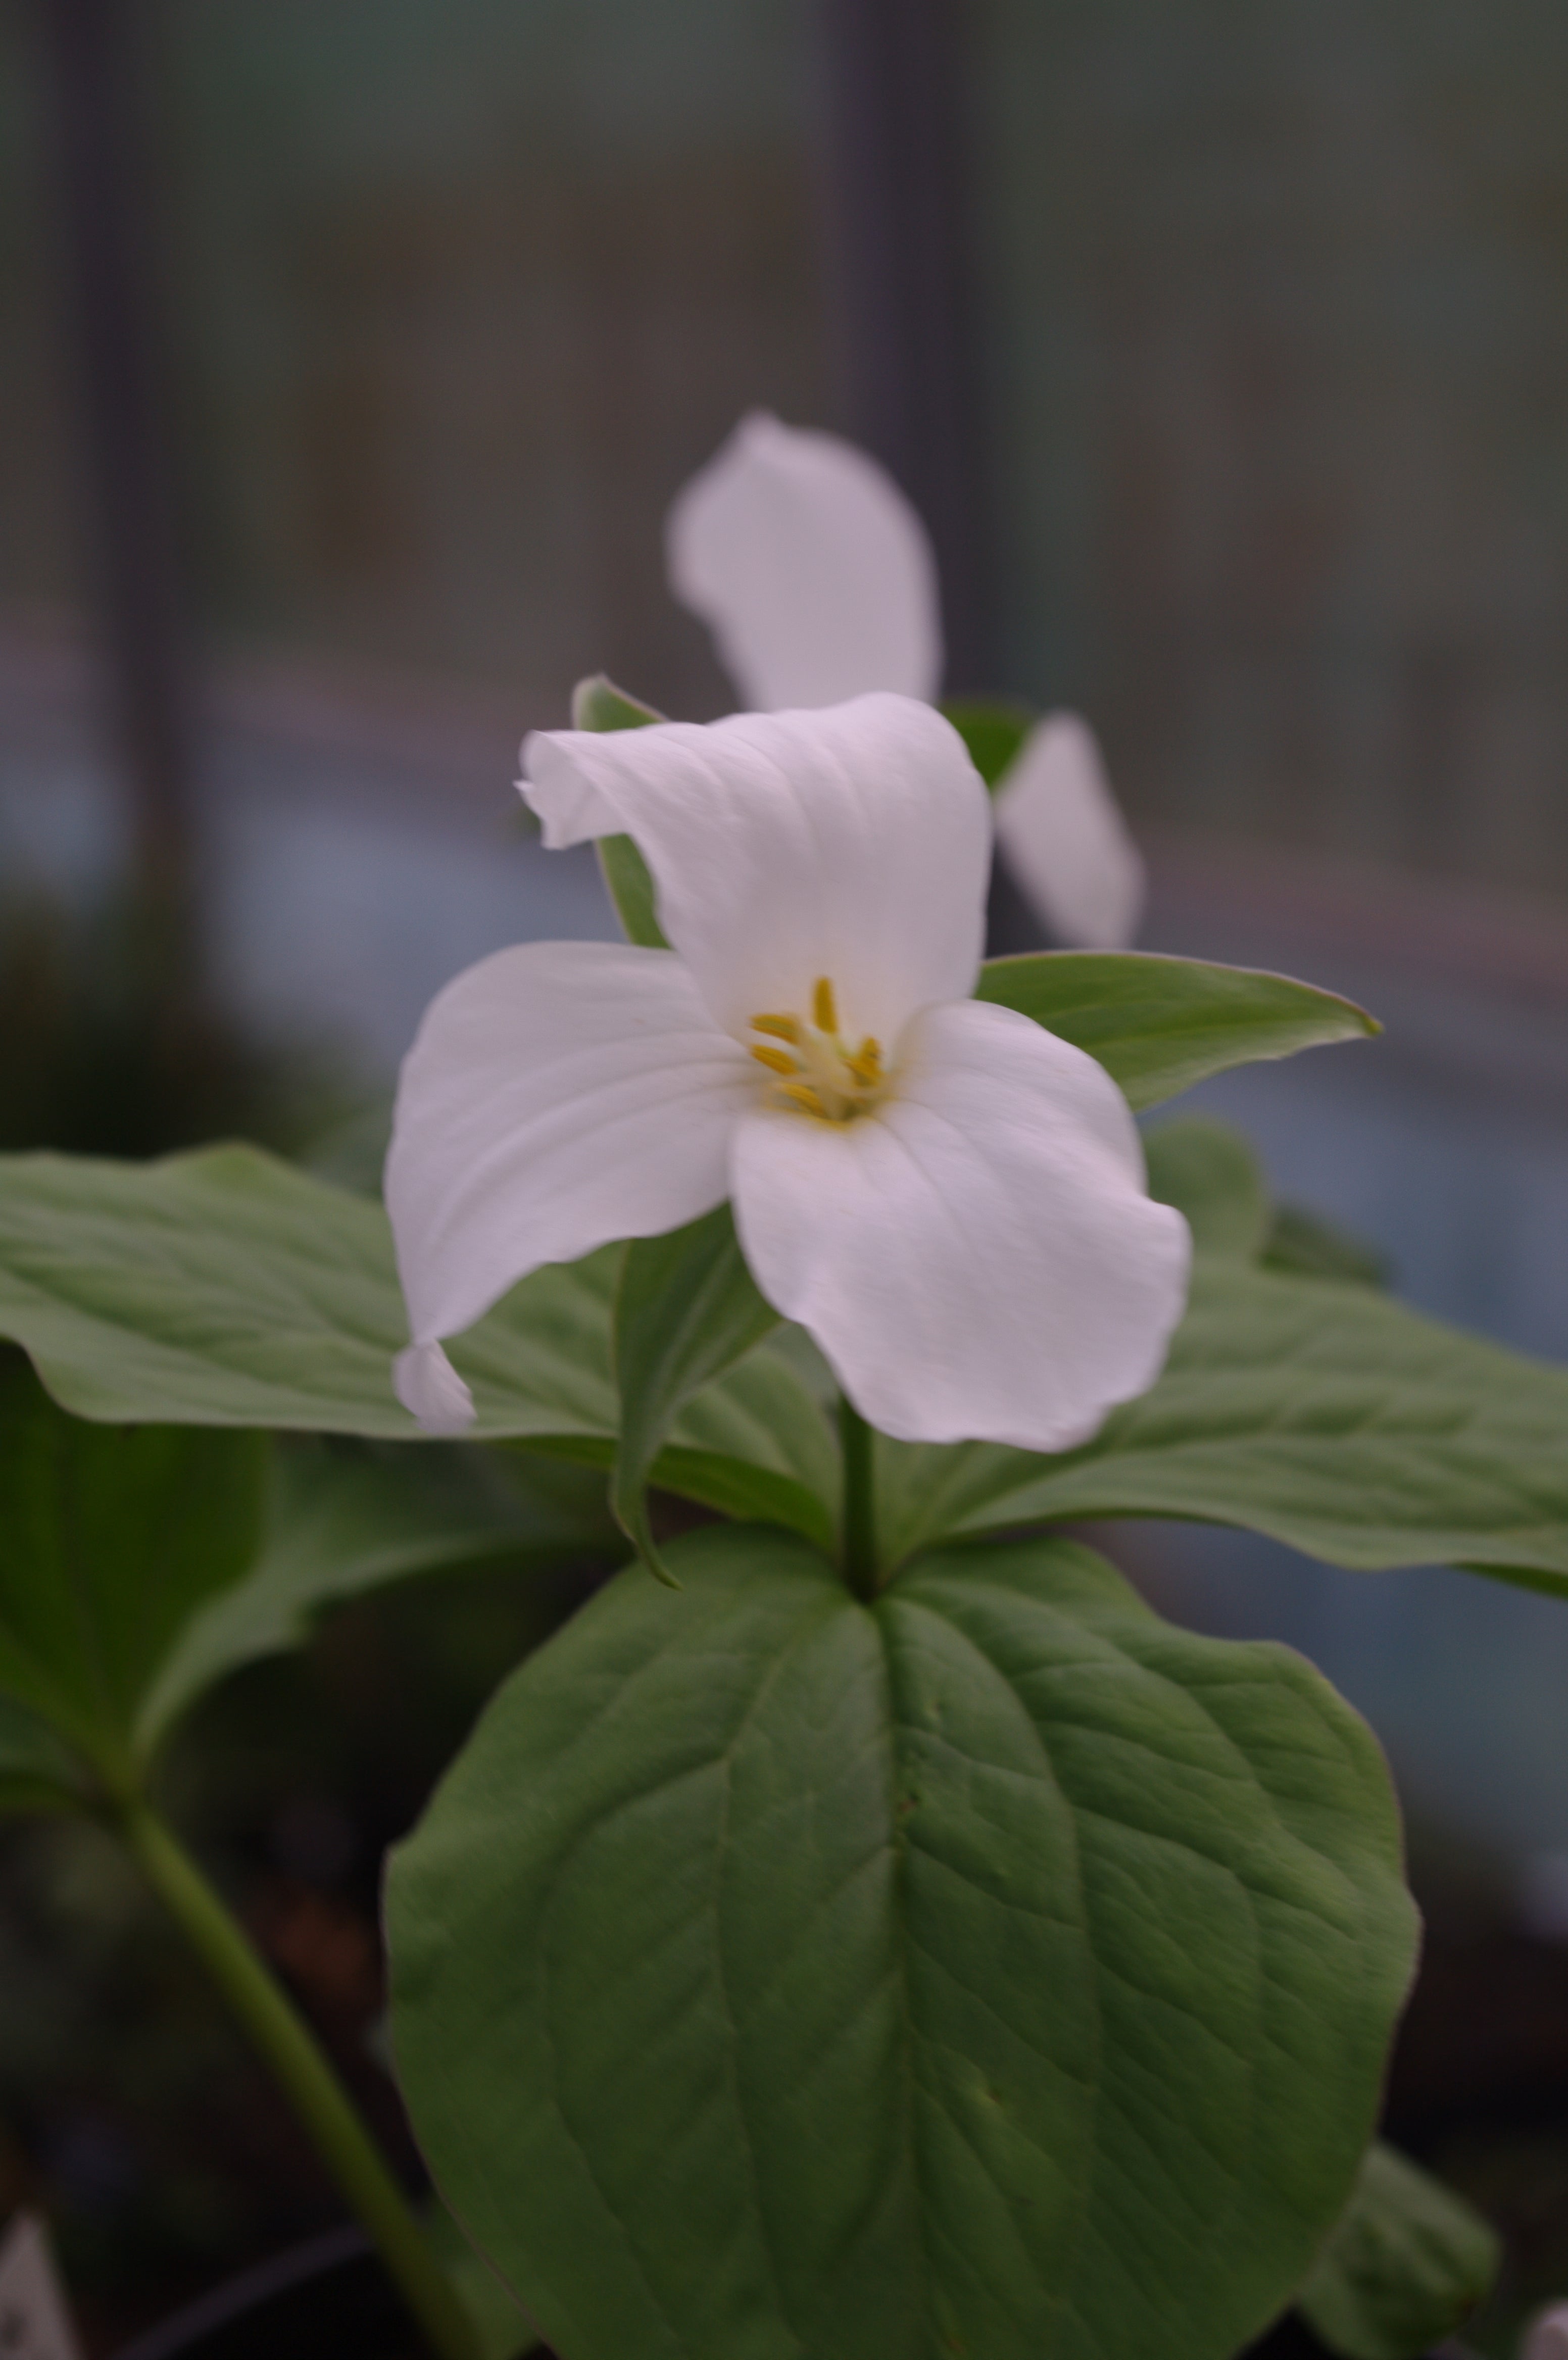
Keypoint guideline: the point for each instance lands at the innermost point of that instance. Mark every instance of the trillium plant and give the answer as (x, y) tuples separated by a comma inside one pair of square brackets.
[(865, 1930)]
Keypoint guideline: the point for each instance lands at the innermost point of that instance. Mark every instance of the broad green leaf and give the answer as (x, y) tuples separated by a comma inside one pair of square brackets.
[(686, 1309), (1322, 1415), (342, 1519), (503, 2331), (226, 1288), (1408, 2263), (1158, 1025), (1306, 1245), (1209, 1174), (598, 704), (111, 1538), (993, 1970), (993, 728), (762, 1444)]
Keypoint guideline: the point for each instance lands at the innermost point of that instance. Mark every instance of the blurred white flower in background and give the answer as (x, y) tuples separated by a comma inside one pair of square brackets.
[(818, 580), (810, 568), (1065, 839)]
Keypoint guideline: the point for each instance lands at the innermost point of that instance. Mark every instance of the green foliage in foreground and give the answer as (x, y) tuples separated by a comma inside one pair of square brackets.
[(995, 1969), (990, 1967), (142, 1564), (227, 1288), (686, 1309), (1159, 1025), (1407, 2265)]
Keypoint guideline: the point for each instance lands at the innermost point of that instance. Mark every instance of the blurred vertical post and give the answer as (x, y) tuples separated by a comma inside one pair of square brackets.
[(96, 83), (900, 237)]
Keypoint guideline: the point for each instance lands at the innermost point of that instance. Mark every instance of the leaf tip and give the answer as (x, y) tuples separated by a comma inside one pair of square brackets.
[(588, 698), (631, 1515)]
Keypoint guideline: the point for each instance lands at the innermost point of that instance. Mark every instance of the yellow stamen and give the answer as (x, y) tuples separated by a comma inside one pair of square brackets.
[(824, 1008), (777, 1061), (782, 1028), (801, 1094), (866, 1065)]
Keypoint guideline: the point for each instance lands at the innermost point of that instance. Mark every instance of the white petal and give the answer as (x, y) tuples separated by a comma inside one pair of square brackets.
[(1065, 839), (853, 843), (558, 1095), (430, 1389), (810, 567), (979, 1257)]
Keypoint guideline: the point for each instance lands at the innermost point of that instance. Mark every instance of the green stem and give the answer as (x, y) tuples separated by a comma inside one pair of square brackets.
[(288, 2048), (861, 1567)]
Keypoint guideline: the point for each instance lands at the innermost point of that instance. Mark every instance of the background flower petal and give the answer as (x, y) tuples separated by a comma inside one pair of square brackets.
[(852, 843), (557, 1095), (1065, 839), (978, 1260), (810, 567)]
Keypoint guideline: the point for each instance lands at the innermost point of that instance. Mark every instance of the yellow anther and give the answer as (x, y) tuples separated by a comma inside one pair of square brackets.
[(824, 1076)]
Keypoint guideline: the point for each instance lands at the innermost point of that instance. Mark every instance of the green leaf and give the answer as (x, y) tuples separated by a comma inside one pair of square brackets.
[(630, 886), (1208, 1171), (227, 1288), (342, 1519), (1322, 1415), (109, 1539), (1209, 1174), (993, 728), (996, 1970), (598, 704), (686, 1310), (1158, 1025), (503, 2331), (760, 1444), (1306, 1245), (1408, 2263)]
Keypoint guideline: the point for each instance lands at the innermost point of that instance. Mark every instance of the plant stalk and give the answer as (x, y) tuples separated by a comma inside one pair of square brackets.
[(319, 2098), (861, 1567)]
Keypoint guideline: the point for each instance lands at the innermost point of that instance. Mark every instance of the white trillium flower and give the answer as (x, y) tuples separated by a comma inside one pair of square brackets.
[(818, 580), (947, 1196)]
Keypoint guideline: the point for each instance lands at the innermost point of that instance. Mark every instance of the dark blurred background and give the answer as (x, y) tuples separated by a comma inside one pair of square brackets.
[(353, 350)]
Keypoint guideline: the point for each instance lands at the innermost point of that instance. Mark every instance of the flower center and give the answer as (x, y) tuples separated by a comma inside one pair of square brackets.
[(817, 1072)]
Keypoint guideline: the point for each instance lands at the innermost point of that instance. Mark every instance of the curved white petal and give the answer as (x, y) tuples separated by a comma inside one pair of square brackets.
[(1065, 839), (853, 843), (430, 1389), (556, 1096), (810, 567), (978, 1260)]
